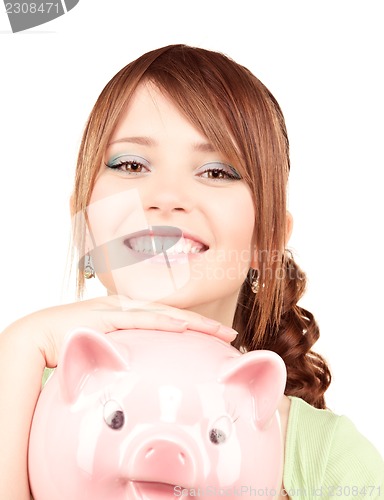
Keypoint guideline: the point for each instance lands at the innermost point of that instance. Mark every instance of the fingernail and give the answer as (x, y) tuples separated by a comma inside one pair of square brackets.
[(229, 332), (180, 322)]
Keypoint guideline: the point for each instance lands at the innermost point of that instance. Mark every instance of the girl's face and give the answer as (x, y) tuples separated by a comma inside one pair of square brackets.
[(173, 220)]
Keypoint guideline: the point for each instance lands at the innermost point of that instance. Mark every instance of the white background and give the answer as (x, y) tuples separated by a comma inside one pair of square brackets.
[(323, 61)]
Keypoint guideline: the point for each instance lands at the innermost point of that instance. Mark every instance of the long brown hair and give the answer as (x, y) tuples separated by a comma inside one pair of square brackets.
[(242, 119)]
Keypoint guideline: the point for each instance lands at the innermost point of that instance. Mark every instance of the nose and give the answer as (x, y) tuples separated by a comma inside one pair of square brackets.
[(167, 195), (164, 461)]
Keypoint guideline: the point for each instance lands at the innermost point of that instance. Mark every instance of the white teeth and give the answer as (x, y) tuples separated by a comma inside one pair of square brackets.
[(179, 248), (187, 247), (166, 243), (172, 245)]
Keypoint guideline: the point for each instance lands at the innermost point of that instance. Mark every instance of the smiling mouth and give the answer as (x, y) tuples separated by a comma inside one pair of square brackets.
[(162, 239), (167, 242)]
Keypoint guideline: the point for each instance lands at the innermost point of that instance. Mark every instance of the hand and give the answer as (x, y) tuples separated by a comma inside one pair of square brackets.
[(35, 341), (106, 314)]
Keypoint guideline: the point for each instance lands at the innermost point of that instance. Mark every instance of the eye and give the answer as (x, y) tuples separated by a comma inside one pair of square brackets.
[(113, 415), (218, 171), (130, 165), (220, 430), (217, 436)]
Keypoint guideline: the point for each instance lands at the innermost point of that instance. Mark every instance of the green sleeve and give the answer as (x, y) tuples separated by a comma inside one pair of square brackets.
[(327, 457), (354, 467)]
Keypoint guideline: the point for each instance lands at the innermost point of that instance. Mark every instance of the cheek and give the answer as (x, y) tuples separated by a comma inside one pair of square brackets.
[(237, 222), (115, 210), (230, 257)]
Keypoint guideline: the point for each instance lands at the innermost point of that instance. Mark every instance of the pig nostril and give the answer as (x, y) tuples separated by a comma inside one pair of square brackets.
[(149, 453), (123, 481)]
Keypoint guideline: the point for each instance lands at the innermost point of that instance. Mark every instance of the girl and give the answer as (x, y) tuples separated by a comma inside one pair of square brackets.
[(187, 152)]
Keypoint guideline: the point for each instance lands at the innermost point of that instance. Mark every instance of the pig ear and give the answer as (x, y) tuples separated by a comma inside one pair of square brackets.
[(264, 373), (86, 353)]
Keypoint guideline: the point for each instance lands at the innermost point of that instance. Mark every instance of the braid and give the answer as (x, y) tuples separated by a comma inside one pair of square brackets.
[(308, 375)]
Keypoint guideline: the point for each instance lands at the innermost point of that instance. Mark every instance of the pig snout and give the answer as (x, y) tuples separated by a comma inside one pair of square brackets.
[(164, 460)]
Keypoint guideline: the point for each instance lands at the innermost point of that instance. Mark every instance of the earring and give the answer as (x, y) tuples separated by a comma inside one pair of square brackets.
[(255, 281), (89, 270)]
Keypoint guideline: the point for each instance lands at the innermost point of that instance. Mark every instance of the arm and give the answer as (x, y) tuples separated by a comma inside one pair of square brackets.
[(21, 368), (34, 342)]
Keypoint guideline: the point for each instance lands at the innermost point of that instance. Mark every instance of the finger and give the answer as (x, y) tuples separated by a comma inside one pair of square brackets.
[(226, 333), (147, 320), (194, 320), (202, 324)]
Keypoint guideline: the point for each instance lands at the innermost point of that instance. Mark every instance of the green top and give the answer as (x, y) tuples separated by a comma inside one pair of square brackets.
[(325, 456)]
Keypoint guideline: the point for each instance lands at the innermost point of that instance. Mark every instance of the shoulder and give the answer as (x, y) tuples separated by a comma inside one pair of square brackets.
[(353, 460), (327, 452)]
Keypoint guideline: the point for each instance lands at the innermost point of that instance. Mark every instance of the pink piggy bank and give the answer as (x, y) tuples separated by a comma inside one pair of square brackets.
[(152, 415)]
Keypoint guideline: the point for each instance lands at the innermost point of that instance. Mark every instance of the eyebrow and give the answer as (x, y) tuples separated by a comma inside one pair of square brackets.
[(203, 147), (144, 141)]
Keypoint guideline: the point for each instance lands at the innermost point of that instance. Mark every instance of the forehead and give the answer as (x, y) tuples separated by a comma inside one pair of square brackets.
[(152, 114)]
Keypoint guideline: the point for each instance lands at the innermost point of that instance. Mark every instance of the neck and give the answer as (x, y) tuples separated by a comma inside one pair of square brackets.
[(222, 310)]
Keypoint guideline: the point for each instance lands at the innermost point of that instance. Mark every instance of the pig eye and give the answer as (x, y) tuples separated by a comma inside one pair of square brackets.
[(113, 415), (220, 431), (217, 436)]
